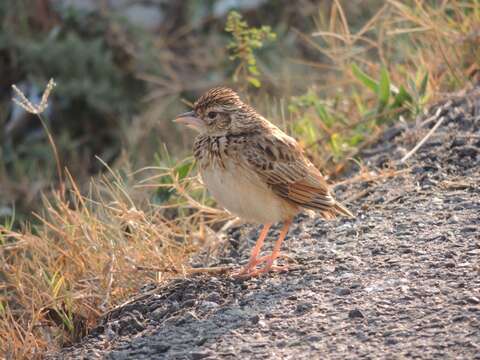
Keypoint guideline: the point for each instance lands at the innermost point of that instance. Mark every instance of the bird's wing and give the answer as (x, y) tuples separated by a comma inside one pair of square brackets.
[(280, 162)]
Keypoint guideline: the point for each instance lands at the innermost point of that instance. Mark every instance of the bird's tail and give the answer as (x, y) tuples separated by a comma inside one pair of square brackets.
[(342, 210)]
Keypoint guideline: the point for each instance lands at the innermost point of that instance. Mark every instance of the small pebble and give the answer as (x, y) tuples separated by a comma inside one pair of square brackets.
[(473, 300), (343, 291), (355, 314)]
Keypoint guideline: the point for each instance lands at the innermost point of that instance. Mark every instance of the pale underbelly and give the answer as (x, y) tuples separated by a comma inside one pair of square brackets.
[(242, 193)]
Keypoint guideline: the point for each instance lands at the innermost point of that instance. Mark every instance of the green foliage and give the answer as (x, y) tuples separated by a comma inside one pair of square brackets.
[(309, 107), (92, 76), (167, 189), (98, 93), (391, 98), (84, 69), (244, 41), (311, 99)]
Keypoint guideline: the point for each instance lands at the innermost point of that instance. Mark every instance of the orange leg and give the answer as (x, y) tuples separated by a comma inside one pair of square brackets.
[(264, 258), (276, 250), (270, 259), (254, 260)]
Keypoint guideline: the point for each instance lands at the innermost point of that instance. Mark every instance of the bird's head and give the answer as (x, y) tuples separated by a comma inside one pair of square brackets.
[(219, 112)]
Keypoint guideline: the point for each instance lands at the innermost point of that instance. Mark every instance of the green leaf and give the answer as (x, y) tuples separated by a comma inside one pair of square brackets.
[(402, 97), (356, 139), (183, 170), (383, 89), (252, 69), (254, 81), (364, 78), (412, 86), (359, 103), (163, 194), (305, 129), (423, 86), (292, 108), (327, 119), (335, 144)]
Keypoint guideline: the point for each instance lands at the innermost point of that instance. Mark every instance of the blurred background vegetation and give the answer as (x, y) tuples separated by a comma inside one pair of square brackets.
[(331, 73), (123, 67)]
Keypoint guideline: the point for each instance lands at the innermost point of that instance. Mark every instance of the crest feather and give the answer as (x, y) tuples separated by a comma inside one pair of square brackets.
[(221, 96)]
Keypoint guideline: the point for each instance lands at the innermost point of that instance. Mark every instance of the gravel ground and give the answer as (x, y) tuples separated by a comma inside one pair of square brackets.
[(399, 281)]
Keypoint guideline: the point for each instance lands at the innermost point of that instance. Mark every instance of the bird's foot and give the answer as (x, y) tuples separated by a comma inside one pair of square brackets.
[(251, 270), (245, 271), (262, 259), (254, 272), (251, 266)]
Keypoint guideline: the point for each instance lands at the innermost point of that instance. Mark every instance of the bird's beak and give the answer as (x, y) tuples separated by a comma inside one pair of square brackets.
[(189, 119)]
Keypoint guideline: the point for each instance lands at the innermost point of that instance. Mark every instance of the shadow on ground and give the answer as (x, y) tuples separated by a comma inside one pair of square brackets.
[(402, 279)]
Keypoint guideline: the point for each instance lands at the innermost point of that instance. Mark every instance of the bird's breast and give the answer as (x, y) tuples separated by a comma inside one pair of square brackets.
[(210, 151), (243, 193)]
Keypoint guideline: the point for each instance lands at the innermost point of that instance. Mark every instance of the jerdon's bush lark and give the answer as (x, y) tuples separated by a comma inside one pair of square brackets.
[(254, 170)]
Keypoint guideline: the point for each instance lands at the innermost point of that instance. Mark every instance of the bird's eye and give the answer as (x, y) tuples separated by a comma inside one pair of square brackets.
[(212, 114)]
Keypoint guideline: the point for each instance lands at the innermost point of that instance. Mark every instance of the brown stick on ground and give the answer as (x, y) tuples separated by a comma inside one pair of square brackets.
[(190, 271), (432, 130)]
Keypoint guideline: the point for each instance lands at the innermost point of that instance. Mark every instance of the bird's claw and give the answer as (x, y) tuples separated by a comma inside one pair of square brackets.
[(250, 270)]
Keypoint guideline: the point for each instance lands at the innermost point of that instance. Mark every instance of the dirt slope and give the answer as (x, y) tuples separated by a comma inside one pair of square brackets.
[(400, 280)]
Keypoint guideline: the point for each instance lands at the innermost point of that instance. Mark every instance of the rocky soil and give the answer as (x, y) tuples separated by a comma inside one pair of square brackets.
[(401, 280)]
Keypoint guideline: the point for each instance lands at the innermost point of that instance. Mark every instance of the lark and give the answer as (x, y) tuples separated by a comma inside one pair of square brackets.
[(255, 171)]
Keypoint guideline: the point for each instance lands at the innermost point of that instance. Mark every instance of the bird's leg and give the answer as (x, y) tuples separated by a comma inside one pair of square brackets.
[(264, 258), (271, 258), (254, 260), (276, 252)]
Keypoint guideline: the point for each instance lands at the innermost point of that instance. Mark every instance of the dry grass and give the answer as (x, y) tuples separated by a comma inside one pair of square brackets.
[(90, 252), (434, 36), (93, 248), (409, 40)]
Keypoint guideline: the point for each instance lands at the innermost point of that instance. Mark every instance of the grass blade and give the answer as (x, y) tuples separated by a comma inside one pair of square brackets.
[(364, 78), (383, 89), (423, 86)]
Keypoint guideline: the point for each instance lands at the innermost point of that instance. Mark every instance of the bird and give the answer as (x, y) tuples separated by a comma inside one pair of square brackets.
[(255, 171)]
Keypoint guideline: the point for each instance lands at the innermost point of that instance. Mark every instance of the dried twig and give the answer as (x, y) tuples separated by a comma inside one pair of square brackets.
[(432, 130), (27, 105), (370, 177), (190, 271), (23, 102)]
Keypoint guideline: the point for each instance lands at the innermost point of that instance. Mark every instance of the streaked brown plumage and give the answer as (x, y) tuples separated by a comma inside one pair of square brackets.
[(255, 170)]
